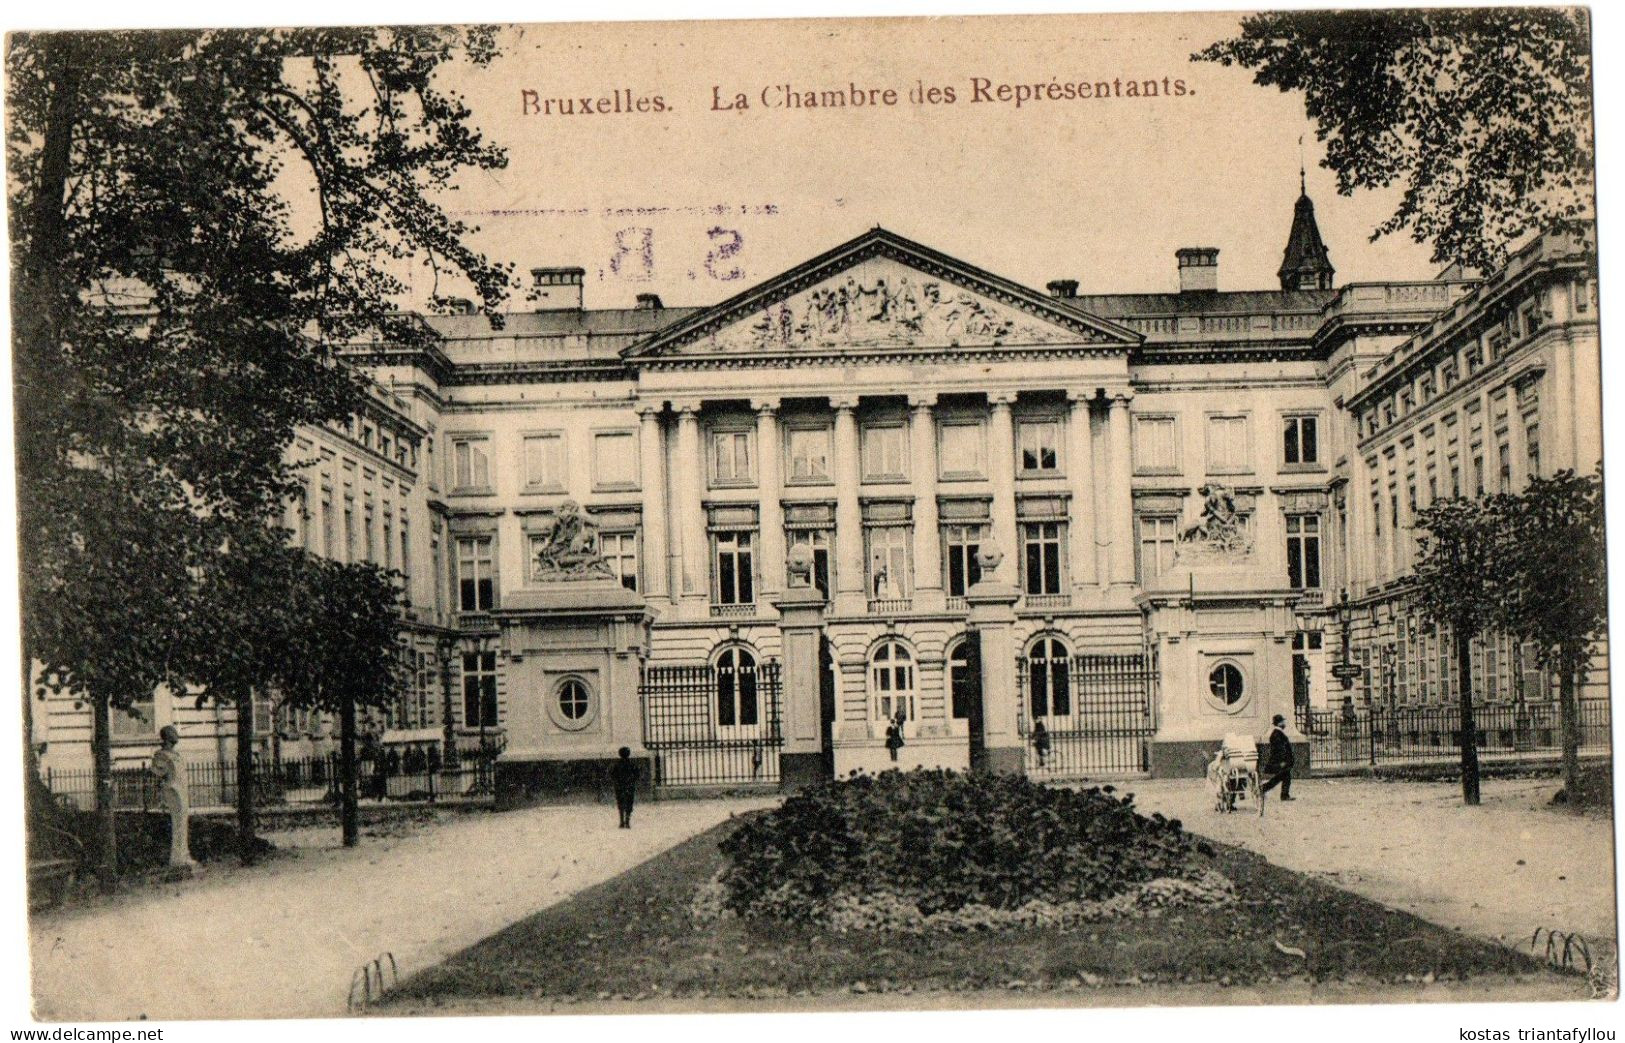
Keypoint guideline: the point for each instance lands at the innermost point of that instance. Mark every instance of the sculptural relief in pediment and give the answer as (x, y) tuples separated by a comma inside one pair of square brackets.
[(882, 304)]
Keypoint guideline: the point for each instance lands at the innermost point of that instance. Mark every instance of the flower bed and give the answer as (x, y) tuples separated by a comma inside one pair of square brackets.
[(940, 850)]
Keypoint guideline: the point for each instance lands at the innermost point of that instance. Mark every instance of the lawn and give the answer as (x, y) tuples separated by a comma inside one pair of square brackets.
[(633, 937)]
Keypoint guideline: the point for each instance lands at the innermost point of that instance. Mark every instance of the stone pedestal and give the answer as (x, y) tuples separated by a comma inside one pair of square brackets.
[(1211, 626), (801, 624), (570, 663), (993, 617)]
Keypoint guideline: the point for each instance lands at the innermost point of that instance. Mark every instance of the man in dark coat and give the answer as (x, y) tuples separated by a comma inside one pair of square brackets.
[(625, 776), (1279, 765)]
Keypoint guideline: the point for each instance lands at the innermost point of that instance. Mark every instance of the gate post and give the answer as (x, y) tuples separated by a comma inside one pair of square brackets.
[(801, 625), (993, 618)]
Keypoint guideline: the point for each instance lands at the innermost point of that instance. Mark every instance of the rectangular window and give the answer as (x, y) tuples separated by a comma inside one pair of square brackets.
[(406, 555), (471, 464), (961, 544), (1478, 471), (1303, 551), (389, 541), (1041, 559), (809, 453), (620, 550), (1300, 440), (1038, 443), (963, 450), (476, 583), (1504, 452), (885, 452), (733, 457), (820, 542), (889, 549), (544, 462), (1531, 436), (1228, 451), (734, 573), (614, 460), (479, 689), (369, 544), (349, 529), (328, 546), (135, 722), (1158, 541), (1156, 445)]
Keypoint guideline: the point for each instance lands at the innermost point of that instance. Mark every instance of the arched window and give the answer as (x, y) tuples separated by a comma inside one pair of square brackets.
[(1049, 689), (891, 679), (964, 678), (737, 705)]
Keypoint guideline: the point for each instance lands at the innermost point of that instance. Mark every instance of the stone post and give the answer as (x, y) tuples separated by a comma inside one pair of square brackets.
[(801, 626), (993, 617)]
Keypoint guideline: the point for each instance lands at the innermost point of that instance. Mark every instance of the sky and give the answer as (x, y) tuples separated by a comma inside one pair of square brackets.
[(699, 201)]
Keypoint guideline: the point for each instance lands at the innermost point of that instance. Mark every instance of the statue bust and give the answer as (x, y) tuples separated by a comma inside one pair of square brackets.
[(800, 565)]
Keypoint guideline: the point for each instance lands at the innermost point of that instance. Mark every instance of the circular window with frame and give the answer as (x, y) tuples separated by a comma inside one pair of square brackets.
[(1227, 686), (573, 706)]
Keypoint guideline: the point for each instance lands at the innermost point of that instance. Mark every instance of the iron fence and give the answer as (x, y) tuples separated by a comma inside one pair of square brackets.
[(1093, 716), (707, 725), (1365, 736), (390, 776)]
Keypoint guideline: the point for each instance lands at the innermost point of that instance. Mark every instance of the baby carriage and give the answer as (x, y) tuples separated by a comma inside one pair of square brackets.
[(1232, 775)]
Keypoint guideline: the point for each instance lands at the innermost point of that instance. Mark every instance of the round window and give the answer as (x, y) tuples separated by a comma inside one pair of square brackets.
[(572, 704), (1226, 684)]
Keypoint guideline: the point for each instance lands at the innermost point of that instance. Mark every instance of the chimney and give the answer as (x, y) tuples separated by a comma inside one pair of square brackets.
[(649, 302), (557, 289), (1198, 269), (1064, 288)]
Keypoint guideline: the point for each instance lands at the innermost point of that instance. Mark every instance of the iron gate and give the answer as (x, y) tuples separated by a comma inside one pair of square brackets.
[(713, 725), (1090, 716)]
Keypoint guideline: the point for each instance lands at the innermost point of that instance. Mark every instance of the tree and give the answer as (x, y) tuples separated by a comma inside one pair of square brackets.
[(1456, 583), (1555, 588), (198, 217), (1483, 115), (346, 653)]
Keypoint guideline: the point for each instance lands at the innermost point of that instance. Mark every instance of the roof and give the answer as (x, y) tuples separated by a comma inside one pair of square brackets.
[(597, 322), (1305, 250), (878, 242), (1207, 302)]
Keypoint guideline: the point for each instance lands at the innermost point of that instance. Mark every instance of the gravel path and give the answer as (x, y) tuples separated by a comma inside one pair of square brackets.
[(1499, 870), (282, 939)]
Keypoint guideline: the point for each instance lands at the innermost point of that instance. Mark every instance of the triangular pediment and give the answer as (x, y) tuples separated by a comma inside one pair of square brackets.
[(881, 292)]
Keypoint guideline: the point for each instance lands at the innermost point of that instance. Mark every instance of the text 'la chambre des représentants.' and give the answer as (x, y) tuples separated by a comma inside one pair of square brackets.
[(976, 90)]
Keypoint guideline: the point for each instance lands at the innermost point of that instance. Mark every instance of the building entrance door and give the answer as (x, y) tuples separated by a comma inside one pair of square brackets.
[(826, 705), (965, 695)]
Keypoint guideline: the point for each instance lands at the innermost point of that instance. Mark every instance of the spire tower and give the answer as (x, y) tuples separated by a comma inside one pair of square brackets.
[(1305, 265)]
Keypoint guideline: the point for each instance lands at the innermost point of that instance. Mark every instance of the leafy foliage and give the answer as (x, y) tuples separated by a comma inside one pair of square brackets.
[(945, 840), (1458, 579), (1483, 115), (197, 218), (1555, 587)]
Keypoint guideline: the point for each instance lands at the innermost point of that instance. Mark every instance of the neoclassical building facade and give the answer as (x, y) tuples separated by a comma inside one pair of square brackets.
[(1135, 522)]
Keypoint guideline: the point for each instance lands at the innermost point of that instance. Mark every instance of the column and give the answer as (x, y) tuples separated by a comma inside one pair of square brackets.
[(687, 485), (1558, 398), (1119, 493), (1001, 462), (992, 617), (1518, 440), (770, 488), (922, 435), (1358, 538), (849, 571), (1486, 419), (652, 453), (1080, 454), (801, 625)]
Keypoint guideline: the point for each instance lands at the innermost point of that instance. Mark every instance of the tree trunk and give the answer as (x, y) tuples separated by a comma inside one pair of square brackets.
[(245, 775), (348, 783), (101, 755), (1568, 711), (1469, 727)]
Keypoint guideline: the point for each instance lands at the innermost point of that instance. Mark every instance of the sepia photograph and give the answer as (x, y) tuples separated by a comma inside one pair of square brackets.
[(1045, 512)]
